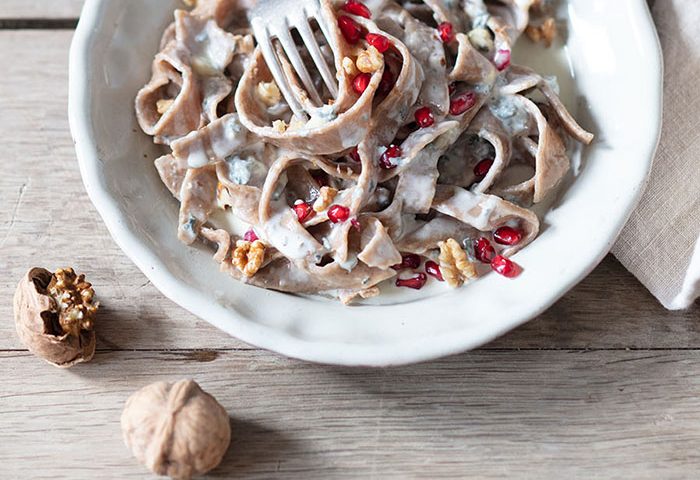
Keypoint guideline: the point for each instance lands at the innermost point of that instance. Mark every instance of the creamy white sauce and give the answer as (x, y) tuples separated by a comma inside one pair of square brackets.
[(230, 136), (348, 264), (197, 155), (514, 119), (297, 247), (211, 50)]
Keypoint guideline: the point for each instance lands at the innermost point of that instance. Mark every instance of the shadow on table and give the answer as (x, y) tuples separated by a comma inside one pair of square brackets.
[(608, 309), (249, 442)]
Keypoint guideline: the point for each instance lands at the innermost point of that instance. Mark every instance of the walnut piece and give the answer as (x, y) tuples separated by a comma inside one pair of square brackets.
[(190, 3), (454, 264), (55, 316), (176, 429), (545, 33), (481, 38), (325, 198), (163, 105), (349, 66), (279, 126), (248, 257), (370, 60), (269, 93)]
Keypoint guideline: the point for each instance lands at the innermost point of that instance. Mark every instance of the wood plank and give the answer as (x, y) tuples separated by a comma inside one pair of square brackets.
[(534, 414), (46, 219), (40, 9)]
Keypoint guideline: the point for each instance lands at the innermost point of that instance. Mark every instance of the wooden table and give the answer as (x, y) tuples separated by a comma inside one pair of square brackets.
[(603, 385)]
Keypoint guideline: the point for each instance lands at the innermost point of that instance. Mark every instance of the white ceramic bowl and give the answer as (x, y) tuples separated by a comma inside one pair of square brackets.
[(616, 61)]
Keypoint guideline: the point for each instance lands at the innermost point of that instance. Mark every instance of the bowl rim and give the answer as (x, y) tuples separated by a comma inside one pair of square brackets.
[(329, 353)]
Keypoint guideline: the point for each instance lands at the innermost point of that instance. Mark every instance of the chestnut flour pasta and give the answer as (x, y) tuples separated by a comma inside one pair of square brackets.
[(402, 173)]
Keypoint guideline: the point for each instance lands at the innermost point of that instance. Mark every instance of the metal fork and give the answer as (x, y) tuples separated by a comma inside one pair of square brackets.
[(274, 19)]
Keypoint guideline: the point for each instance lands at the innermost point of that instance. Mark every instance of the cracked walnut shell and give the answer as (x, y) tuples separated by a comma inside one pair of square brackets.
[(176, 429), (55, 316)]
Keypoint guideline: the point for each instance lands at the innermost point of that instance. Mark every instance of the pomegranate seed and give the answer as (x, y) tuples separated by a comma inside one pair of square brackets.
[(392, 151), (361, 82), (415, 282), (380, 42), (452, 87), (482, 168), (338, 213), (505, 267), (350, 29), (446, 32), (355, 224), (250, 236), (387, 81), (408, 260), (433, 269), (483, 251), (462, 102), (424, 117), (303, 210), (355, 155), (357, 8), (502, 59), (507, 235)]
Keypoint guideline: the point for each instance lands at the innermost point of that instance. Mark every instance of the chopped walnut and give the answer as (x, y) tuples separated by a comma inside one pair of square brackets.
[(279, 126), (190, 3), (74, 297), (248, 256), (454, 264), (481, 38), (269, 93), (349, 66), (163, 105), (545, 33), (370, 60), (325, 198)]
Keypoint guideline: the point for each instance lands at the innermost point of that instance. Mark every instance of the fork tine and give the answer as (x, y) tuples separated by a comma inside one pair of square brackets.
[(307, 36), (261, 35), (290, 49)]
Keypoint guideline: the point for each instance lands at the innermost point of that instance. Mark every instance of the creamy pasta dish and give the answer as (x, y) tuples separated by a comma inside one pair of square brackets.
[(401, 173)]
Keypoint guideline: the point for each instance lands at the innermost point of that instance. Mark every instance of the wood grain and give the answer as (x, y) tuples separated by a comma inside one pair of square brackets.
[(47, 220), (40, 9), (603, 385), (535, 414)]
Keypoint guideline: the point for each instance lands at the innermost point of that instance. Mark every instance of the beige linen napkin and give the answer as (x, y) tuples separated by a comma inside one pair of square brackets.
[(661, 243)]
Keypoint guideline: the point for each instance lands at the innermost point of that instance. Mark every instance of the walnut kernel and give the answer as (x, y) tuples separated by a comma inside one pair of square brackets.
[(454, 264), (55, 316), (349, 66), (279, 126), (269, 93), (370, 60), (325, 198), (481, 38), (248, 257), (545, 33), (163, 105), (176, 429)]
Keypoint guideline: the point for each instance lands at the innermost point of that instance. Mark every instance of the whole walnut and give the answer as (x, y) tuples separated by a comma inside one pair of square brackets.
[(55, 316), (176, 429)]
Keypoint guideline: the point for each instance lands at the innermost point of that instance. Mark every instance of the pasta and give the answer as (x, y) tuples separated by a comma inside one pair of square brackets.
[(408, 157)]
